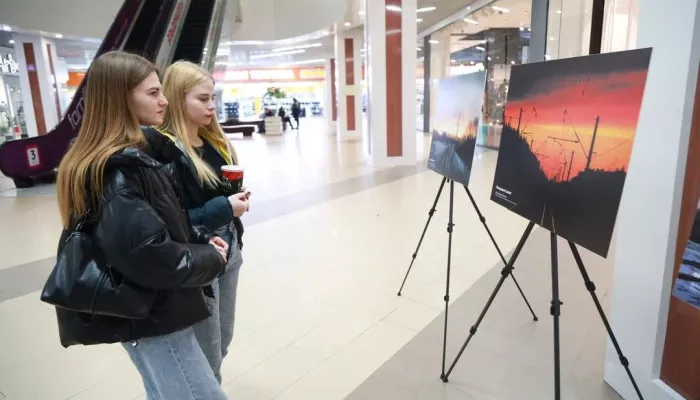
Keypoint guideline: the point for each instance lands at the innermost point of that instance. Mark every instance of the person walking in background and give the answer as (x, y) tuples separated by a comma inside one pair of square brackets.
[(192, 142), (296, 111), (140, 233)]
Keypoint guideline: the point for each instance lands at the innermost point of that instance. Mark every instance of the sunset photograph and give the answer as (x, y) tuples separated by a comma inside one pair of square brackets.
[(458, 113), (567, 141)]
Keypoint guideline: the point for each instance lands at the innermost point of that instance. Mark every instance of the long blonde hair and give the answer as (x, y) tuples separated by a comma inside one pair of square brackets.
[(109, 125), (180, 78)]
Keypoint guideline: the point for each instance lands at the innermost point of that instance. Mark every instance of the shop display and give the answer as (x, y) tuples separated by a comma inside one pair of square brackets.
[(567, 140), (687, 286), (459, 102)]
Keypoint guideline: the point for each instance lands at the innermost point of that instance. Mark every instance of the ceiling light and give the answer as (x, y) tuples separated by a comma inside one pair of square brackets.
[(551, 38), (425, 9), (489, 58), (278, 54), (480, 48), (347, 24), (419, 19), (303, 46), (433, 41), (522, 29), (471, 21), (512, 62), (501, 9), (59, 36), (469, 8), (393, 8), (6, 28), (418, 48), (314, 61), (361, 12), (12, 41), (558, 11)]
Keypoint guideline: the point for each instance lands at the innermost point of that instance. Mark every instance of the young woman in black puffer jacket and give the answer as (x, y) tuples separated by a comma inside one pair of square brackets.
[(141, 232)]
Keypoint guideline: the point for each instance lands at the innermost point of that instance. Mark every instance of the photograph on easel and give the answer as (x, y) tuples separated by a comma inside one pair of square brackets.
[(687, 286), (458, 112), (567, 141)]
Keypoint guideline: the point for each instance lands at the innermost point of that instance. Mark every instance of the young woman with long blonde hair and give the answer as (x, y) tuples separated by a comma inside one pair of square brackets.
[(142, 236), (192, 140)]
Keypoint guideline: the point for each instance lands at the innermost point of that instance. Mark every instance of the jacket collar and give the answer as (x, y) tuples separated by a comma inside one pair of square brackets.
[(134, 157)]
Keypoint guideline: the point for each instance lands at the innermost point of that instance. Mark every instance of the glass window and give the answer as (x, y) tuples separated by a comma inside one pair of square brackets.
[(494, 38)]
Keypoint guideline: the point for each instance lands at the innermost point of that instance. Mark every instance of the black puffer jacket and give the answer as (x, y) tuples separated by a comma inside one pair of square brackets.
[(211, 212), (147, 239)]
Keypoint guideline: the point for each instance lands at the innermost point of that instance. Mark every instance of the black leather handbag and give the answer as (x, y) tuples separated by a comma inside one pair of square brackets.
[(81, 281)]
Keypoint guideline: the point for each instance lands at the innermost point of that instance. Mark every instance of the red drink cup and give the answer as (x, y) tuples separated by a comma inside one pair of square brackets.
[(232, 178)]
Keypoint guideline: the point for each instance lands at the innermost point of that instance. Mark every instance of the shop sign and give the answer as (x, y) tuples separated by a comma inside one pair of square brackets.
[(315, 73), (271, 74), (8, 65)]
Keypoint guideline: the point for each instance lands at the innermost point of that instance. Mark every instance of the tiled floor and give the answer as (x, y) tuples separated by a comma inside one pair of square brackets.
[(510, 356), (327, 243)]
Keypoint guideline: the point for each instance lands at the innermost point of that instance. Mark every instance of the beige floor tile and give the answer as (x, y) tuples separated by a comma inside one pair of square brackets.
[(272, 376), (338, 376), (125, 385)]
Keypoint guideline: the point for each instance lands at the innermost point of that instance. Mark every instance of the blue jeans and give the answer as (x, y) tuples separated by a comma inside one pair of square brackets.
[(173, 367), (216, 332)]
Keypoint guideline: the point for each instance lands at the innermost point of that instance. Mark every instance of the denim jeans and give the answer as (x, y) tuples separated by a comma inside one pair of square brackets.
[(173, 367), (216, 332)]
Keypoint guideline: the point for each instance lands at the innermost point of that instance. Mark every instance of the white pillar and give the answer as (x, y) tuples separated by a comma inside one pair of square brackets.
[(348, 61), (647, 224), (440, 55), (391, 78), (40, 94), (328, 98)]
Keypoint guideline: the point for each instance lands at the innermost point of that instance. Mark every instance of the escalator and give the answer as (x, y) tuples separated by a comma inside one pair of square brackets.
[(151, 28), (190, 46)]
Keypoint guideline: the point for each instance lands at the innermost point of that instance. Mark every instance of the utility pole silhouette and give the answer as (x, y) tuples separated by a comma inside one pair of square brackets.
[(571, 163), (590, 152), (520, 117)]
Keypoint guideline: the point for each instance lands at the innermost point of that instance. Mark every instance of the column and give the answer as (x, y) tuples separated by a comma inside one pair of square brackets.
[(391, 77), (42, 102), (330, 106), (437, 49), (348, 45), (647, 224)]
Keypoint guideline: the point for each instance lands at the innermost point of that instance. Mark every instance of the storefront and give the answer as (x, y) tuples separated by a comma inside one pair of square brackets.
[(246, 93), (11, 110), (495, 37)]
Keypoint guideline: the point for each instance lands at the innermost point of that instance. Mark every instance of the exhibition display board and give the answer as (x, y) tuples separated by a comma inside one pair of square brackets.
[(567, 140), (459, 108)]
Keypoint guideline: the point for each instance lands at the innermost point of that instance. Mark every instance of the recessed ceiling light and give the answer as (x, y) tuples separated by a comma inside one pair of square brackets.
[(361, 12), (522, 29), (394, 8), (489, 58), (501, 9), (59, 36), (419, 19), (471, 21), (347, 24), (480, 48), (6, 28), (558, 11), (418, 49), (433, 41), (12, 41), (512, 62), (425, 9)]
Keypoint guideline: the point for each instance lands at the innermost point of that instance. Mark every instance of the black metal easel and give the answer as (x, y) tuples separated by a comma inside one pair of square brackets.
[(555, 309), (450, 226)]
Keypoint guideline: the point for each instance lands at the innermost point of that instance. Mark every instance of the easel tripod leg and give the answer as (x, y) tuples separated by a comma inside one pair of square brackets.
[(504, 274), (422, 236), (450, 226), (500, 253), (590, 286), (555, 310)]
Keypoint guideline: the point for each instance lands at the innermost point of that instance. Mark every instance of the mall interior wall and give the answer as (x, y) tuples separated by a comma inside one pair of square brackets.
[(647, 225)]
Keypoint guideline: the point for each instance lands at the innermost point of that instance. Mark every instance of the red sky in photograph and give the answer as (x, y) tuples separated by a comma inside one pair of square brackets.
[(616, 98)]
